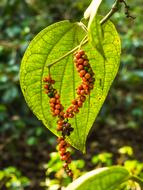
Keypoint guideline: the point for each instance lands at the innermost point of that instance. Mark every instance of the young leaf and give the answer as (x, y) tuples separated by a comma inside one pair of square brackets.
[(51, 45), (101, 179), (91, 11), (96, 36)]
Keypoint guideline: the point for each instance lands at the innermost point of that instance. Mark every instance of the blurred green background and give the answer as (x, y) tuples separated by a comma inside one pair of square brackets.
[(25, 144)]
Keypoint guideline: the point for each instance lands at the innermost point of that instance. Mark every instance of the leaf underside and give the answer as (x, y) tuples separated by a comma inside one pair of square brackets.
[(49, 45), (101, 179)]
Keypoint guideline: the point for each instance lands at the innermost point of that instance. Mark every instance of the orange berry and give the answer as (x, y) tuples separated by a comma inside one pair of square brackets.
[(74, 102), (62, 151), (87, 75), (52, 105), (66, 115), (45, 79), (85, 86), (82, 73), (52, 100), (77, 56), (65, 165), (79, 103), (85, 63), (70, 174), (62, 144), (84, 79), (57, 111), (81, 52), (61, 113), (58, 106), (59, 128), (57, 96), (82, 92), (46, 86), (60, 122), (46, 91), (82, 98), (80, 87), (64, 158), (71, 115), (78, 70), (49, 79), (78, 91), (80, 67), (60, 139), (80, 61), (87, 91), (57, 101), (76, 110), (52, 81), (69, 161), (68, 154)]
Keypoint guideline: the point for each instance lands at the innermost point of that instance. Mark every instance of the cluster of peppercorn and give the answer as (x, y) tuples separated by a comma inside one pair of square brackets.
[(87, 75), (62, 125)]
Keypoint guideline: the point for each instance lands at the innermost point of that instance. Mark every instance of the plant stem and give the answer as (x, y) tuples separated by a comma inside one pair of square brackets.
[(111, 12), (137, 179), (68, 53)]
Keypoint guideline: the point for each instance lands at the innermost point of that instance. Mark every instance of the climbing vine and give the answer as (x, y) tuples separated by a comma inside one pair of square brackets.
[(66, 73)]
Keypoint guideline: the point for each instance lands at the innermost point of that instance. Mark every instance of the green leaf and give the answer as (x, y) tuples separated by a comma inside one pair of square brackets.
[(101, 179), (95, 35), (48, 46)]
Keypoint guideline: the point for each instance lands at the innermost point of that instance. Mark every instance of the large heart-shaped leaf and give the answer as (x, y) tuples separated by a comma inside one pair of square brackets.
[(101, 179), (50, 45)]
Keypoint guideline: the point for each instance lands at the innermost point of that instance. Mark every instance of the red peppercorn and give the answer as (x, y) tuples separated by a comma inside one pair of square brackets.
[(57, 101), (60, 139), (57, 96), (87, 75), (85, 63), (60, 122), (58, 106), (81, 52), (82, 92), (79, 103), (53, 100), (52, 105), (57, 111), (77, 55), (71, 115), (65, 165), (80, 61), (80, 67), (59, 128), (46, 86), (64, 157), (82, 73)]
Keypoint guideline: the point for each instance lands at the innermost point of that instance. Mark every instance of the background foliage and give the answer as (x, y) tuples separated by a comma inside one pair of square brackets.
[(119, 123)]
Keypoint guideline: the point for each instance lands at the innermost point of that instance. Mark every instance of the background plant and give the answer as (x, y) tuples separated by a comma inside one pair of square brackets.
[(122, 111)]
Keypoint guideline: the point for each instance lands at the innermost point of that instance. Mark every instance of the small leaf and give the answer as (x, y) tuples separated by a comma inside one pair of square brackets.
[(95, 34), (101, 179), (91, 11), (48, 46)]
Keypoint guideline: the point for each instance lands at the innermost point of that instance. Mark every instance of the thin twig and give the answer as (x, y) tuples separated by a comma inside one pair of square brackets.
[(113, 10), (8, 44), (68, 53)]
